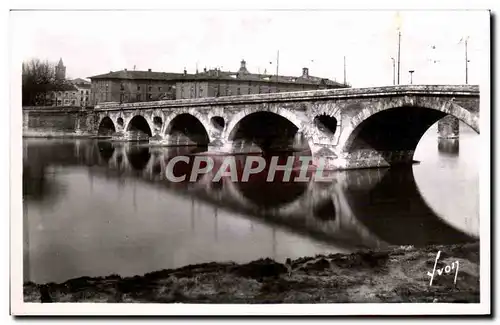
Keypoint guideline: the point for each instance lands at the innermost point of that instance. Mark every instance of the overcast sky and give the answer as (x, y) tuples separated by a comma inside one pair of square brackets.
[(95, 42)]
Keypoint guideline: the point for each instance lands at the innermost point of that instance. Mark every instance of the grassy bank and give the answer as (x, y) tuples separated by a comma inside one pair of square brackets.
[(396, 275)]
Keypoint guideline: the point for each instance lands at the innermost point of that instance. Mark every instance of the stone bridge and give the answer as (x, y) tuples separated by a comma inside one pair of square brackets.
[(348, 128)]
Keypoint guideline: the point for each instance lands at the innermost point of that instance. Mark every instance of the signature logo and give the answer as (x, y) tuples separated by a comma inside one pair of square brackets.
[(447, 269)]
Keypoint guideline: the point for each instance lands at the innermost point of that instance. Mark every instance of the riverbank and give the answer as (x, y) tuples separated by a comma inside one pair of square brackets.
[(56, 135), (396, 275)]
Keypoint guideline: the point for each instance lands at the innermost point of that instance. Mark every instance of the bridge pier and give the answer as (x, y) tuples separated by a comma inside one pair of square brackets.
[(172, 140), (370, 158), (329, 158), (448, 127)]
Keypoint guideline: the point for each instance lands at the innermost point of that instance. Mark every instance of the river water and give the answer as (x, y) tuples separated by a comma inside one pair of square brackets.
[(85, 214)]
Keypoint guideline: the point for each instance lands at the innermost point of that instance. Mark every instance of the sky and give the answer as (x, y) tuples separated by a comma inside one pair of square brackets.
[(96, 42)]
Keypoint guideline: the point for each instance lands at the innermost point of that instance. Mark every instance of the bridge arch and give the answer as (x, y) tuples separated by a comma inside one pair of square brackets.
[(106, 126), (158, 121), (139, 123), (218, 122), (397, 126), (252, 124), (188, 125)]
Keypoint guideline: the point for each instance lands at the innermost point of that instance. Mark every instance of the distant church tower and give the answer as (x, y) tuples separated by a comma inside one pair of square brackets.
[(60, 71)]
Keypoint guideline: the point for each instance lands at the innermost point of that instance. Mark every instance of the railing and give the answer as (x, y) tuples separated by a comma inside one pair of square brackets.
[(338, 93)]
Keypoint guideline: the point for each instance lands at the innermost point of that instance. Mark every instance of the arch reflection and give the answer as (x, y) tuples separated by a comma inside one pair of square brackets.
[(138, 157), (394, 210), (275, 193), (106, 150)]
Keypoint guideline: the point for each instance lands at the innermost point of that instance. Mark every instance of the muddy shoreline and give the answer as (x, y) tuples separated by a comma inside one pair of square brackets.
[(398, 274)]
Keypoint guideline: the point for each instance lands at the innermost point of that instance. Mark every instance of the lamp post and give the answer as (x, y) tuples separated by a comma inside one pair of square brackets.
[(345, 73), (393, 71), (411, 76), (466, 62), (466, 40), (399, 53)]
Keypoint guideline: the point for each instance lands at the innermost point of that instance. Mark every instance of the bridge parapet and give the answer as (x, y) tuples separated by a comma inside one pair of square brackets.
[(322, 94)]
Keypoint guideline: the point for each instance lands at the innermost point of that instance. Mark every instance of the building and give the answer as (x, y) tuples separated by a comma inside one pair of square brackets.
[(70, 93), (215, 83), (133, 86), (137, 86), (83, 93)]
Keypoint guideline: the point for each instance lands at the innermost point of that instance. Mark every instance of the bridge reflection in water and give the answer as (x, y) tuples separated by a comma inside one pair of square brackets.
[(370, 208)]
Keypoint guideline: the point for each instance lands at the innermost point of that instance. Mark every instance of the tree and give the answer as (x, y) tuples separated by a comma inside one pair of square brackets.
[(38, 80)]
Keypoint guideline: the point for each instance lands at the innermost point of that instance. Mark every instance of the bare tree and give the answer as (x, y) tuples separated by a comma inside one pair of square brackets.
[(38, 80)]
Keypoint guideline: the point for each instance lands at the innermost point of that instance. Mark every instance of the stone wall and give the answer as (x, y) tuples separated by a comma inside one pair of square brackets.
[(67, 121)]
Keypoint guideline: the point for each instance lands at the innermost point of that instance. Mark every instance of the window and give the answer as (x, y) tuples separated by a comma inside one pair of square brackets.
[(159, 88), (139, 97), (150, 88), (86, 92), (122, 96), (238, 91), (122, 87), (150, 96), (81, 92), (249, 90), (138, 87), (200, 91)]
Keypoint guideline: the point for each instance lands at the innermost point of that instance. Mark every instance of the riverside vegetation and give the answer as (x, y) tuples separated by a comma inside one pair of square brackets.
[(395, 275)]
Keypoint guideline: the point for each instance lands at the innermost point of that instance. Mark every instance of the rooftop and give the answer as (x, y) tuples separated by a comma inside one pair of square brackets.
[(64, 87), (217, 74), (80, 81), (138, 75)]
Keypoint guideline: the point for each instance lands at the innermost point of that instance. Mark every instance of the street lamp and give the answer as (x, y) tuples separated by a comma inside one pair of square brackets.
[(411, 76), (466, 62), (393, 71)]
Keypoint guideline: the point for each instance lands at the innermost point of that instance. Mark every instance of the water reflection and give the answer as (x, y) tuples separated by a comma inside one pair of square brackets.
[(121, 215), (138, 157), (325, 210), (394, 210), (449, 146), (106, 150)]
